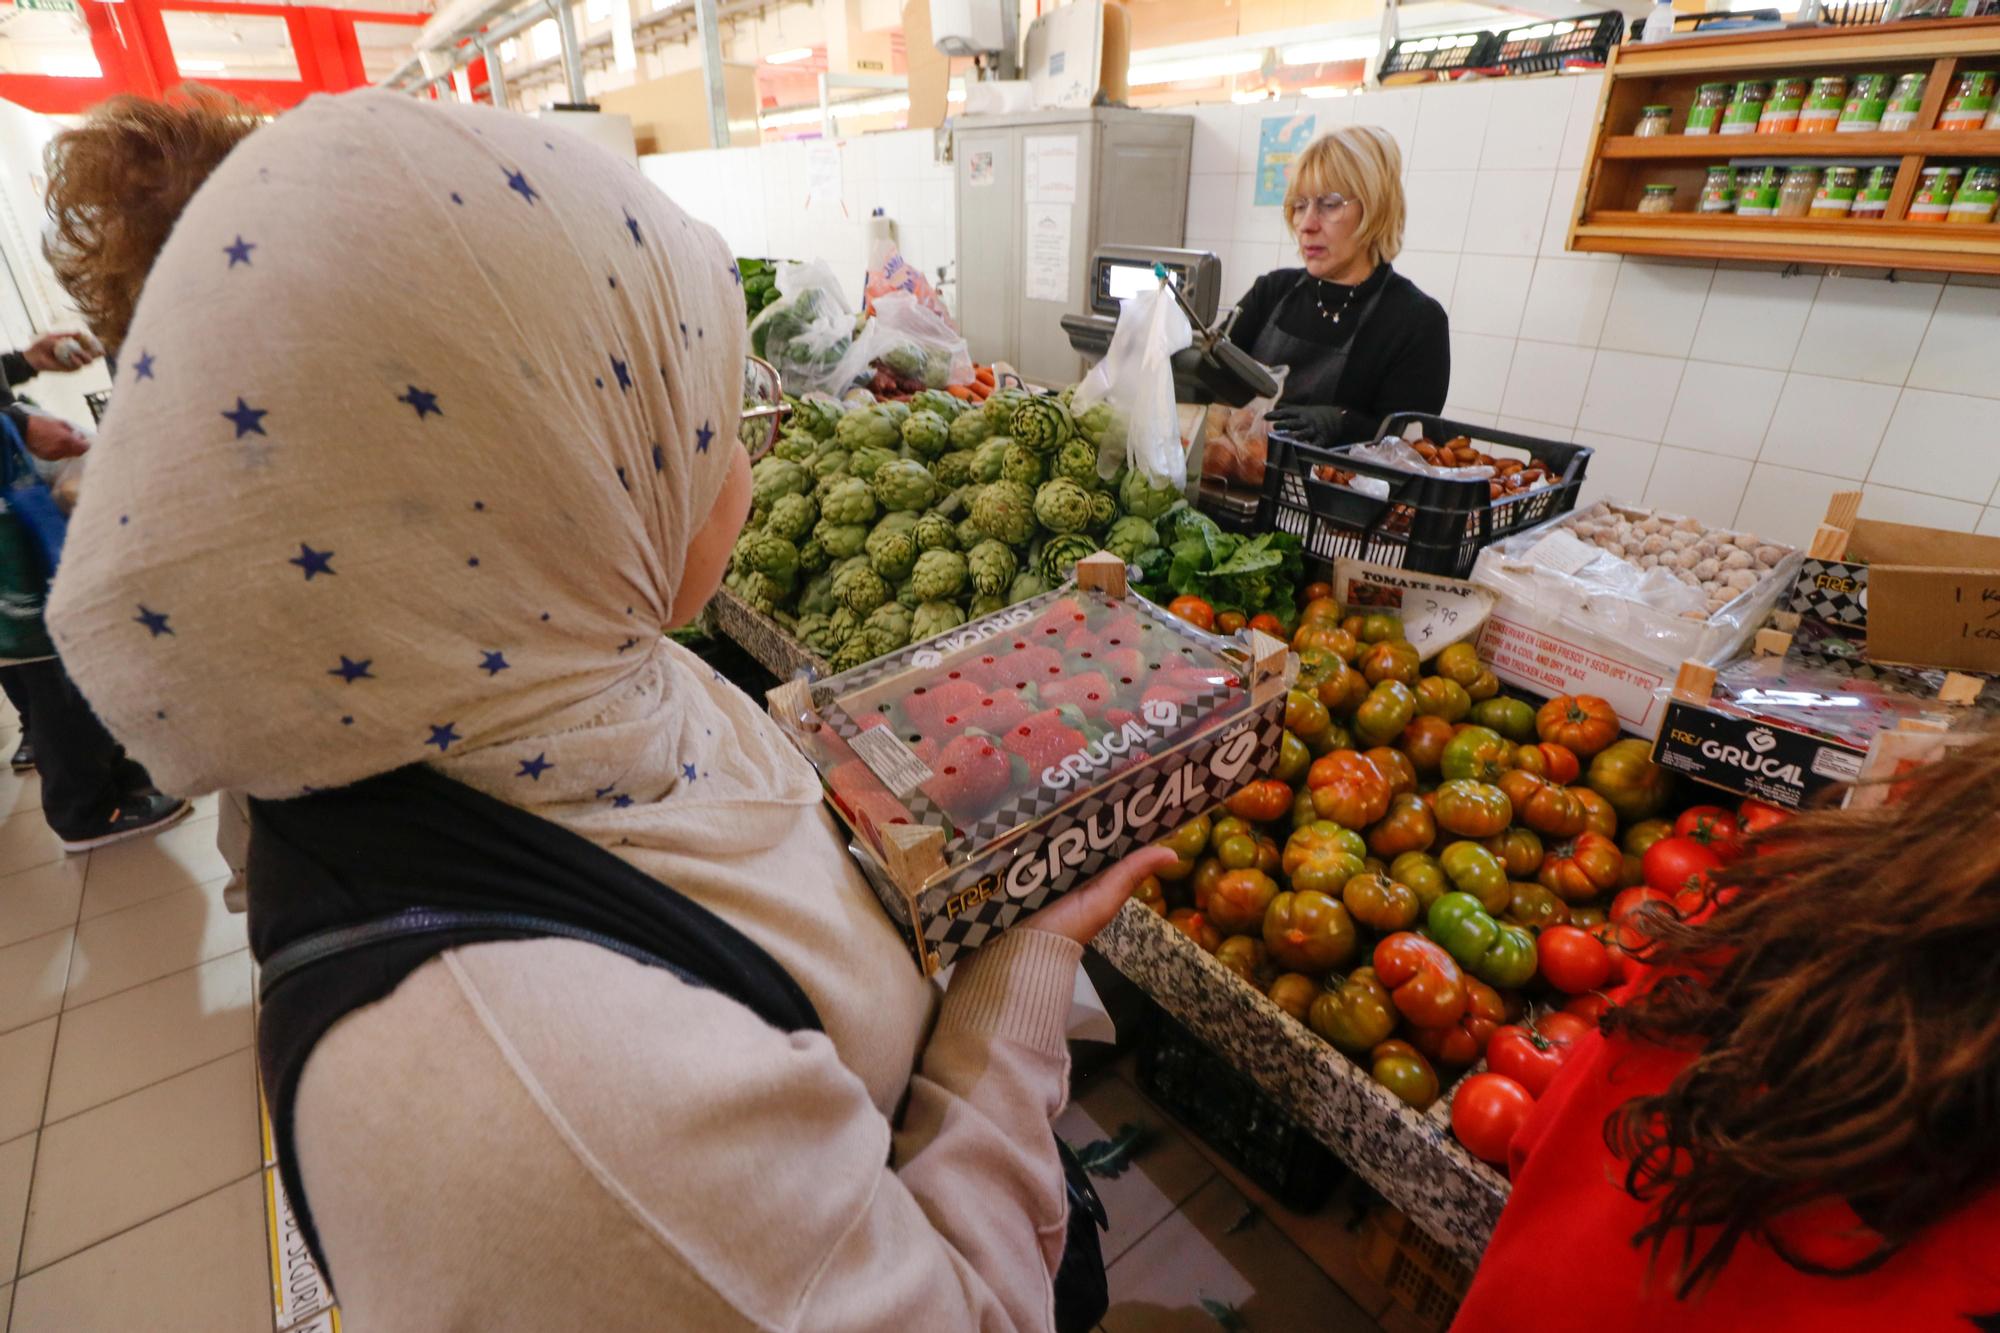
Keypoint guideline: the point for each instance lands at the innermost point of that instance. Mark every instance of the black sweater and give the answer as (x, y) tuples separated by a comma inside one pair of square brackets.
[(1401, 363)]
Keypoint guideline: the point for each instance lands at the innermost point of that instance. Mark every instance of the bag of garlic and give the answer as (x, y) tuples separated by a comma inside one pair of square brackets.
[(1610, 600)]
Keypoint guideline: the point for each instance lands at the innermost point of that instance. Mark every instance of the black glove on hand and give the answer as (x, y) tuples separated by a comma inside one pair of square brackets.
[(1306, 422)]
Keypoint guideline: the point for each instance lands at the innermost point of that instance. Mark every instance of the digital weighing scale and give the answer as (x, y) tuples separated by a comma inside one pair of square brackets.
[(1210, 370)]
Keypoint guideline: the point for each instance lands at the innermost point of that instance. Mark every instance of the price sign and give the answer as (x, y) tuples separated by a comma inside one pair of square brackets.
[(50, 6), (1436, 611)]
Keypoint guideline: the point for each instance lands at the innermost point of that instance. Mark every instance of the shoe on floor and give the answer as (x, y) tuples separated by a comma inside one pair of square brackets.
[(137, 817), (24, 757)]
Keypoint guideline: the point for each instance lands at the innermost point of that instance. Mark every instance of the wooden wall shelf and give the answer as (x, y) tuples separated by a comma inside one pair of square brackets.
[(1604, 218)]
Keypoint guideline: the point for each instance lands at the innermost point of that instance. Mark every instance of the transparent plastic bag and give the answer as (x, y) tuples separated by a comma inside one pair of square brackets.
[(912, 345), (1239, 438), (807, 333), (1136, 380)]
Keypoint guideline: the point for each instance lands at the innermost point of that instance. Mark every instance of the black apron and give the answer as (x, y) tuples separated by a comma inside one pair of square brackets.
[(1313, 369)]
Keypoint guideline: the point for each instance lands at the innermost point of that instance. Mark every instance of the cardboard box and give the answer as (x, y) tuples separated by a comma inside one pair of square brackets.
[(1728, 747), (670, 115), (1187, 720), (1922, 596)]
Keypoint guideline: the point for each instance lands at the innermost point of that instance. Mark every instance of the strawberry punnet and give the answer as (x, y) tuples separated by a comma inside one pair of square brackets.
[(1089, 693), (944, 709), (972, 776), (1012, 668), (1044, 739)]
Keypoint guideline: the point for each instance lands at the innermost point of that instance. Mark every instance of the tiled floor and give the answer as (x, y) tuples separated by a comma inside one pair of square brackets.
[(131, 1193)]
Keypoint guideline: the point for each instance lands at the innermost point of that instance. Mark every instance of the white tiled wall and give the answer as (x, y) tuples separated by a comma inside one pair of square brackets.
[(1737, 392), (757, 198), (1733, 392)]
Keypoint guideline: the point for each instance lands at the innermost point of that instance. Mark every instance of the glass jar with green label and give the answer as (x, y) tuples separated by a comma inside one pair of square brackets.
[(1705, 113), (1867, 99), (1835, 196), (1905, 101), (1978, 198), (1795, 193), (1654, 121), (1657, 199), (1781, 112), (1971, 98), (1718, 192), (1746, 107), (1873, 200), (1822, 105), (1757, 192), (1936, 188)]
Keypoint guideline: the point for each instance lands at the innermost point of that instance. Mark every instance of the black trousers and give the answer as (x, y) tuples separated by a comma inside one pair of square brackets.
[(85, 774)]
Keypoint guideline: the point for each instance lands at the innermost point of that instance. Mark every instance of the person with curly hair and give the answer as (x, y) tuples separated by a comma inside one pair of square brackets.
[(1794, 1121)]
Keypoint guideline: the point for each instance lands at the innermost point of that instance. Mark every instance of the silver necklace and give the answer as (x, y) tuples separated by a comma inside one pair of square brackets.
[(1319, 301)]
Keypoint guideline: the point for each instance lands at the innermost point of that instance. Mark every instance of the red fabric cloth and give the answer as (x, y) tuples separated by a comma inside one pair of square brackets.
[(1562, 1257)]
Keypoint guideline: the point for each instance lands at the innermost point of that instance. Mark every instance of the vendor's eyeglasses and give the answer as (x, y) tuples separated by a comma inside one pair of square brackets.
[(764, 407), (1330, 206)]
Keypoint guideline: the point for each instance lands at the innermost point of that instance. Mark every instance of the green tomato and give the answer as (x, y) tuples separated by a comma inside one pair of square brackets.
[(1421, 871), (1238, 851), (1510, 717), (1461, 925), (1474, 870), (1509, 961)]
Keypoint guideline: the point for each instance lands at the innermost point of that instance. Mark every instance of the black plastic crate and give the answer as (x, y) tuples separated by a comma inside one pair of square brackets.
[(1556, 44), (1235, 1116), (1440, 55), (1432, 525)]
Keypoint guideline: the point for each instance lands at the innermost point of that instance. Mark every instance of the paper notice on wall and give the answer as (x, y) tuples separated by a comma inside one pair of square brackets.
[(1049, 169), (1436, 611), (1280, 139), (979, 168), (1048, 252), (823, 183)]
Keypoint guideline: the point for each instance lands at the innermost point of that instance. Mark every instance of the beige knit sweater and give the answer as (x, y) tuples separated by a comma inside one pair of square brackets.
[(542, 1135)]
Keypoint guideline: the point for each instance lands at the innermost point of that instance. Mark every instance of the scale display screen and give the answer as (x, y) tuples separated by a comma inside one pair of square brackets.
[(1123, 281)]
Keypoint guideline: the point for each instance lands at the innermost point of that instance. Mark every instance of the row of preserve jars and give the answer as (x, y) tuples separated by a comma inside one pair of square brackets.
[(1964, 195), (1831, 102)]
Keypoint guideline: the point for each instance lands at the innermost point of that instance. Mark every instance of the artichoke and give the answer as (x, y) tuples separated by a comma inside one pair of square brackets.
[(792, 517), (992, 566), (985, 604), (869, 428), (773, 477), (857, 651), (859, 589), (796, 446), (831, 463), (1061, 553), (897, 412), (1103, 509), (935, 532), (1077, 461), (764, 592), (813, 556), (1000, 408), (868, 460), (1130, 537), (816, 416), (816, 598), (1043, 424), (768, 554), (939, 575), (1104, 426), (843, 625), (970, 429), (841, 541), (1063, 506), (905, 484), (891, 623), (989, 457), (816, 633), (954, 469), (969, 533), (1022, 464), (891, 554), (902, 521), (851, 501), (933, 618), (1005, 512), (926, 435), (1143, 498), (1026, 584), (906, 595), (938, 401)]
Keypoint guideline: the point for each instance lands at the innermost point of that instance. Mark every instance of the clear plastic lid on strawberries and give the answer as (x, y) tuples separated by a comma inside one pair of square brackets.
[(994, 725)]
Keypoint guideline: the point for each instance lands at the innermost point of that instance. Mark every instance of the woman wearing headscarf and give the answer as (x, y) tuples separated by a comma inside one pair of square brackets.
[(451, 449)]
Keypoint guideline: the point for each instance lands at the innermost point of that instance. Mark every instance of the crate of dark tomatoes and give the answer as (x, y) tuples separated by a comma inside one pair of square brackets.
[(1437, 882), (987, 771), (1427, 495)]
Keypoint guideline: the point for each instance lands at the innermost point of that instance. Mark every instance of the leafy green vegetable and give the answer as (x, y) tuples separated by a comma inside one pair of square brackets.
[(1255, 574), (1108, 1158)]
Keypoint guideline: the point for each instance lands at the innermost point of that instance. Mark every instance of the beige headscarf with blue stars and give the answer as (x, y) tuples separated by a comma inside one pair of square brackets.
[(419, 411)]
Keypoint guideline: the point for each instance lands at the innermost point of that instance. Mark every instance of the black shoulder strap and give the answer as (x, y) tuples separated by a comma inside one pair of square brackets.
[(352, 890)]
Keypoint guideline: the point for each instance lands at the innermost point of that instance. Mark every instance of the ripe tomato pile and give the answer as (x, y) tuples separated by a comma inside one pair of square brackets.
[(1437, 874)]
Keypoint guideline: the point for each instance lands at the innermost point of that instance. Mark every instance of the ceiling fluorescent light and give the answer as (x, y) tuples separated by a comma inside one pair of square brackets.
[(1326, 53), (791, 57), (1325, 90), (1196, 67)]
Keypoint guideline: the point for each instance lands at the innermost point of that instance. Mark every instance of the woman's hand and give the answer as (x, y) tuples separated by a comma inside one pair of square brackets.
[(1082, 912), (48, 352), (1306, 422)]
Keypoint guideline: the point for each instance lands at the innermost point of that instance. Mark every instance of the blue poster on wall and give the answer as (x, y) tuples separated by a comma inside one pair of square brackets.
[(1279, 141)]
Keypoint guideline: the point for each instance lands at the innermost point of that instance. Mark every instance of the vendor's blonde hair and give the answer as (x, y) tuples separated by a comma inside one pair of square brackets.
[(1363, 163)]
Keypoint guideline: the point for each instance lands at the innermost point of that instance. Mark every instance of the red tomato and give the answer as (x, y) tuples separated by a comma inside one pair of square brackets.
[(1228, 622), (1590, 1008), (1262, 801), (1268, 623), (1671, 862), (1571, 960), (1755, 816), (1619, 941), (1487, 1112), (1531, 1053), (1193, 610), (1629, 901), (1695, 899), (1714, 828)]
